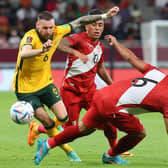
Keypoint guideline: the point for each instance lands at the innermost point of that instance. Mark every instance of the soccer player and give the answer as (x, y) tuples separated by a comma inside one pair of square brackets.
[(33, 81), (117, 104)]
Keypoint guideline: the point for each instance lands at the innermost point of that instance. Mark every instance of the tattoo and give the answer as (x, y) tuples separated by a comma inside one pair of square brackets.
[(84, 20), (65, 48)]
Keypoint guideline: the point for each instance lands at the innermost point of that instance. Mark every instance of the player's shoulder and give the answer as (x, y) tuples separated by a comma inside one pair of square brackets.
[(77, 35), (60, 28), (29, 36), (149, 67), (31, 32)]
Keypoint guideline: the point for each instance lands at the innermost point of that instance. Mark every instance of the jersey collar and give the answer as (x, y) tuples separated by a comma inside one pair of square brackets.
[(94, 43), (41, 38)]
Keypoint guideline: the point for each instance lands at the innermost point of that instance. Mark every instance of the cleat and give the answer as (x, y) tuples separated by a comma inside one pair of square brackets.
[(126, 154), (72, 155), (32, 135), (41, 152), (106, 159)]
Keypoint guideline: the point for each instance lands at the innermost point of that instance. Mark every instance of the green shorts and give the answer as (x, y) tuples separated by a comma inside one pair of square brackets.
[(49, 95)]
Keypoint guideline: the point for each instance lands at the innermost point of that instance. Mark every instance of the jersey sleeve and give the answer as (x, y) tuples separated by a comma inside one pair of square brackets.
[(64, 29), (28, 39), (149, 67), (73, 39)]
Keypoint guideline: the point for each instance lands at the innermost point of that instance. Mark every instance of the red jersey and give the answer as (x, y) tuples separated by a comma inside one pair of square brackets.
[(79, 77), (150, 92)]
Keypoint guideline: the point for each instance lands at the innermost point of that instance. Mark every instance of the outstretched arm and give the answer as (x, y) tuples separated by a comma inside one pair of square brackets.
[(28, 52), (92, 18), (126, 53)]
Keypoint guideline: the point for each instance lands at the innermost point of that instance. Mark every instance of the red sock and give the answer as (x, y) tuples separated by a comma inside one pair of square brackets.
[(111, 134), (41, 129), (69, 134), (125, 143)]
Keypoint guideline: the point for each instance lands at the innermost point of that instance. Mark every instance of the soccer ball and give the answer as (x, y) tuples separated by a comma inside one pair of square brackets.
[(21, 112)]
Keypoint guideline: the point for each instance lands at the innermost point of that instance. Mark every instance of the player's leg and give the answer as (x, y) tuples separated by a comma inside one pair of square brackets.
[(40, 114), (72, 104), (134, 129), (35, 129), (54, 102), (70, 133), (110, 133)]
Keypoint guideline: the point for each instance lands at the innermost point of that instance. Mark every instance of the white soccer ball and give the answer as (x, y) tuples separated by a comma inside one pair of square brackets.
[(21, 112)]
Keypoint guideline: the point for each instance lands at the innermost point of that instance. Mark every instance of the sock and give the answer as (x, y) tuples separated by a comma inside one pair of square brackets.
[(111, 134), (53, 132), (68, 135), (125, 143), (41, 129), (57, 122)]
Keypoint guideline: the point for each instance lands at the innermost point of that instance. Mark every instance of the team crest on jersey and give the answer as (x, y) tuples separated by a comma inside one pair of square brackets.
[(29, 39), (55, 91)]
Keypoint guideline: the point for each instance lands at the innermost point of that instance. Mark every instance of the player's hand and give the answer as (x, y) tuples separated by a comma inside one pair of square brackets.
[(112, 12), (84, 58), (47, 45), (111, 39), (81, 56)]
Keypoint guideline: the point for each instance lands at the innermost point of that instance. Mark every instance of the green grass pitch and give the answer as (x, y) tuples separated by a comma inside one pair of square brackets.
[(15, 152)]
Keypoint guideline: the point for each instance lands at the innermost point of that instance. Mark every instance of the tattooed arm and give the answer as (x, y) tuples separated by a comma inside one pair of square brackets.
[(64, 46), (92, 18)]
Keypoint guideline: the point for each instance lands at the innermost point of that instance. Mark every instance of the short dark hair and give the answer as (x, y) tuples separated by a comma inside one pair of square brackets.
[(45, 15), (94, 12)]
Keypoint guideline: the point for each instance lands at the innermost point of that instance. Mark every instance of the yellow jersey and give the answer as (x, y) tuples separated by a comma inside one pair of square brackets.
[(33, 74)]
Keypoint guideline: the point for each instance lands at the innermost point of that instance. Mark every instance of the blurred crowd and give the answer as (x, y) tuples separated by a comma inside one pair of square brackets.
[(18, 16)]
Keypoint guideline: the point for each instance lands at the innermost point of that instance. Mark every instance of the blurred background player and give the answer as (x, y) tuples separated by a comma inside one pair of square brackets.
[(33, 81), (117, 104), (78, 85)]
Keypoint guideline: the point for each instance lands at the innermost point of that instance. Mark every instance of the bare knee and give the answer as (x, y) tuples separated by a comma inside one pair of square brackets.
[(142, 134), (84, 129)]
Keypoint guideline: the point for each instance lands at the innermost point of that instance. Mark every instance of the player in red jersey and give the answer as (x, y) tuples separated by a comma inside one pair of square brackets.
[(117, 104), (78, 86)]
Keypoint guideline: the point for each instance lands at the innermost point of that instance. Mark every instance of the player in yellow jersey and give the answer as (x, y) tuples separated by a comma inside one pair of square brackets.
[(33, 80)]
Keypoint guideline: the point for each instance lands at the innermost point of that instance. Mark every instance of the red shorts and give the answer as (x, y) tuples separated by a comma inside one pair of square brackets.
[(124, 122), (74, 103), (92, 118)]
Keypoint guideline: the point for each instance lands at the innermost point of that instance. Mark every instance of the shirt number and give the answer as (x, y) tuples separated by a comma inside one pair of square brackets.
[(139, 82)]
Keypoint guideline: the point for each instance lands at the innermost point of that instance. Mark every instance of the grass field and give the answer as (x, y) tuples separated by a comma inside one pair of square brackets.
[(15, 152)]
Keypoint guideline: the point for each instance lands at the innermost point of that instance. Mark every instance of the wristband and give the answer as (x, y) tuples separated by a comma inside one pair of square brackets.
[(104, 16)]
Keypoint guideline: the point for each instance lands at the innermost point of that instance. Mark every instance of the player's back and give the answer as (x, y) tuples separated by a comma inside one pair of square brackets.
[(148, 91)]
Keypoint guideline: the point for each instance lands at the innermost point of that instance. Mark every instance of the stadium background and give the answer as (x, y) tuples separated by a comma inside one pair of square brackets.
[(18, 16)]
